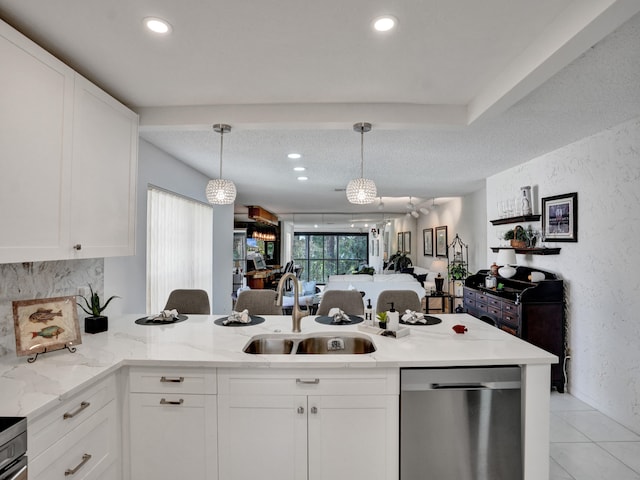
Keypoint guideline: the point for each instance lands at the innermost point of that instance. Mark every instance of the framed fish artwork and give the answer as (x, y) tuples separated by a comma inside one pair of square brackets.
[(45, 324)]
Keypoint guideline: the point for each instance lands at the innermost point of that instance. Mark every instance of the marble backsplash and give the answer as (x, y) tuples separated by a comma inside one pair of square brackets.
[(24, 281)]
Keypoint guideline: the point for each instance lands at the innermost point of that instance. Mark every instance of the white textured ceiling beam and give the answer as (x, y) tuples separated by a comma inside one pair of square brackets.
[(573, 32), (300, 116)]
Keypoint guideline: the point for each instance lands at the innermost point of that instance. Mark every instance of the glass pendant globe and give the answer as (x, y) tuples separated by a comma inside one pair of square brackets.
[(361, 191), (221, 191)]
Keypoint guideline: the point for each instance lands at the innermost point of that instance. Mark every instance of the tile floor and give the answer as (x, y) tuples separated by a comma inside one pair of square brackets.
[(588, 445)]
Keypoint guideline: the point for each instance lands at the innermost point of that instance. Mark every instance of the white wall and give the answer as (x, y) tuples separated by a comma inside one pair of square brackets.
[(602, 282), (126, 276), (465, 216)]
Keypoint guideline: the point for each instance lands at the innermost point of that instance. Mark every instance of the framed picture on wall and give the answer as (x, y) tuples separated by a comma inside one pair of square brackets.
[(560, 218), (406, 242), (400, 243), (427, 238), (441, 241)]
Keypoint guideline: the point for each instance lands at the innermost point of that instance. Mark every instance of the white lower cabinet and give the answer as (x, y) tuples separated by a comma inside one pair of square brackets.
[(262, 436), (79, 440), (353, 437), (172, 424), (308, 424)]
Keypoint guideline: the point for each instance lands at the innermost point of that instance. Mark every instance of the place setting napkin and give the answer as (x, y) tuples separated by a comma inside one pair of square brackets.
[(237, 317), (411, 317), (339, 316), (165, 316)]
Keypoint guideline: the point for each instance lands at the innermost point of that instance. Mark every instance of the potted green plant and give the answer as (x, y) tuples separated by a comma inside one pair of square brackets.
[(382, 319), (400, 261), (517, 237), (457, 271), (95, 322), (365, 271)]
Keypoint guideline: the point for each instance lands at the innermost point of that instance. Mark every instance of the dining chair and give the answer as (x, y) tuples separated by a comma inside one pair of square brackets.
[(258, 302), (349, 301), (402, 300), (191, 301)]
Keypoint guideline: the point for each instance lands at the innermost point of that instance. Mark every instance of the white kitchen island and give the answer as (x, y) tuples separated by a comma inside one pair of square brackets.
[(102, 364)]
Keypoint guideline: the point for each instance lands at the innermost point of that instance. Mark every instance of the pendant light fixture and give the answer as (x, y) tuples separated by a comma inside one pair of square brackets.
[(361, 191), (220, 191)]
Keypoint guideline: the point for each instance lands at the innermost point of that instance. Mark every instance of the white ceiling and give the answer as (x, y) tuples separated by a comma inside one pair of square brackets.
[(461, 89)]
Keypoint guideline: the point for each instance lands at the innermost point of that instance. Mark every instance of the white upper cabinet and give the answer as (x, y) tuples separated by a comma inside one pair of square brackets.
[(35, 149), (103, 174), (68, 160)]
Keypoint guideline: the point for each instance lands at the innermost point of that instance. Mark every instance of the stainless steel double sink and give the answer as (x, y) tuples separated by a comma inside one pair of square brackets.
[(313, 343)]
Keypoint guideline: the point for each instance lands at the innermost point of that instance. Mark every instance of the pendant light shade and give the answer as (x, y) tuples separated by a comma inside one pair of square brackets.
[(220, 191), (361, 191)]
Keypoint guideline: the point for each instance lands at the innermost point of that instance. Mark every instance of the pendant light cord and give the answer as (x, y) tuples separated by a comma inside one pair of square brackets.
[(362, 151), (221, 143)]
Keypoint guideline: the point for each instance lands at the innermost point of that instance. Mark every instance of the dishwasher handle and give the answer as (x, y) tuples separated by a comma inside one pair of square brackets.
[(459, 386), (460, 379)]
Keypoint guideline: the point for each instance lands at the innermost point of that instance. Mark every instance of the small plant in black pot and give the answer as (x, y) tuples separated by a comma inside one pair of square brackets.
[(96, 322), (382, 319)]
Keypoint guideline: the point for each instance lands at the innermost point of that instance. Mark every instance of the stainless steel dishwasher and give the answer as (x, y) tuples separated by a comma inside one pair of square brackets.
[(460, 424)]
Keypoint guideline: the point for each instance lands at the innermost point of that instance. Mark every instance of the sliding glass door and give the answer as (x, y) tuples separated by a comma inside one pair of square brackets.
[(324, 254)]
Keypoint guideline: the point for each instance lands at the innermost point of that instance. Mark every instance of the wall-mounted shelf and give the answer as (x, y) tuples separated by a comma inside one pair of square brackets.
[(521, 218), (532, 251)]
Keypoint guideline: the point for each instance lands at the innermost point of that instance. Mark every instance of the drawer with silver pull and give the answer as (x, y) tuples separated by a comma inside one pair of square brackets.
[(84, 453), (360, 381), (57, 422), (172, 380)]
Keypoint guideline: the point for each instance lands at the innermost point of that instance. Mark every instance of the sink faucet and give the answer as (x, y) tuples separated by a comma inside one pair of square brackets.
[(296, 312)]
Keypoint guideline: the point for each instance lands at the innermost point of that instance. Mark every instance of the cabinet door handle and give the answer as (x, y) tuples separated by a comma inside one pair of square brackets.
[(171, 380), (300, 410), (315, 381), (82, 406), (77, 246), (171, 402), (70, 471), (314, 409)]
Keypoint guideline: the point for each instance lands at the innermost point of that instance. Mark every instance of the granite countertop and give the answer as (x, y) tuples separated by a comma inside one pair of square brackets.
[(27, 389)]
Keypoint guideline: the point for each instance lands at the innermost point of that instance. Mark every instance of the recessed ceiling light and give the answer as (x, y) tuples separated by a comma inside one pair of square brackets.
[(294, 156), (302, 179), (157, 25), (299, 169), (385, 23)]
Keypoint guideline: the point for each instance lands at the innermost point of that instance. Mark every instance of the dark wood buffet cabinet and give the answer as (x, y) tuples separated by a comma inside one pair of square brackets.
[(533, 311)]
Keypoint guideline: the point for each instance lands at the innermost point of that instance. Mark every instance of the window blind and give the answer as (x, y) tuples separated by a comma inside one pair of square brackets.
[(179, 246)]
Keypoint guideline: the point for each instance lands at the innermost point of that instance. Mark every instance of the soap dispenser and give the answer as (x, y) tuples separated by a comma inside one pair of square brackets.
[(393, 319), (368, 313)]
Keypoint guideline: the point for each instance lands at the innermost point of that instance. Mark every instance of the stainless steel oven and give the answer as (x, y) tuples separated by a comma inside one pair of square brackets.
[(13, 448)]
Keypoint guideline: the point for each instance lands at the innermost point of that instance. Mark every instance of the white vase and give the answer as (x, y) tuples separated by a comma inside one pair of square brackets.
[(525, 200), (507, 271), (458, 289)]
